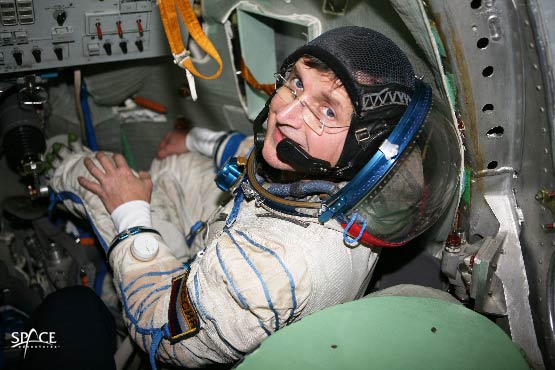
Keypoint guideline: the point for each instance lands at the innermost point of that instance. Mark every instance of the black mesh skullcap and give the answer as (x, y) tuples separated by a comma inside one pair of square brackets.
[(363, 59)]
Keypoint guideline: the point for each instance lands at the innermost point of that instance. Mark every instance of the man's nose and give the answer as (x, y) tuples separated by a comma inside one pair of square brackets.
[(290, 113)]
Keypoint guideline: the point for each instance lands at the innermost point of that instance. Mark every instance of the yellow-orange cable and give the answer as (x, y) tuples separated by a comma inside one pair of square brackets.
[(253, 82)]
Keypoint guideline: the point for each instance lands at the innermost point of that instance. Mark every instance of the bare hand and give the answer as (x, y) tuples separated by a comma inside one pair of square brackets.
[(117, 184), (173, 143)]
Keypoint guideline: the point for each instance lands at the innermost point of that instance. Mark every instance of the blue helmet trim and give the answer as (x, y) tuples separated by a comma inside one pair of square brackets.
[(378, 166)]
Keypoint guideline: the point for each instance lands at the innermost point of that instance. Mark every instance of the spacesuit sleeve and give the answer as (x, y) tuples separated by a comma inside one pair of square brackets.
[(233, 296), (219, 145), (237, 292)]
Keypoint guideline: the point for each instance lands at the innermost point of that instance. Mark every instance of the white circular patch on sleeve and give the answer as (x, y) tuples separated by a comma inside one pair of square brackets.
[(145, 247)]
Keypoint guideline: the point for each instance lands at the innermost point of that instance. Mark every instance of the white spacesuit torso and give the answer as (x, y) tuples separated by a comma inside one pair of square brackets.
[(247, 274)]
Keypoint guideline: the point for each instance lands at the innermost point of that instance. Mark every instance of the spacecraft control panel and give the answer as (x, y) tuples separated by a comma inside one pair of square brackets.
[(42, 34)]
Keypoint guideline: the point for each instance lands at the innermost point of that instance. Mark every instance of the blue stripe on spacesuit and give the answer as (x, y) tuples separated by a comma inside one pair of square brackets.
[(239, 295), (158, 354), (145, 308), (152, 273), (239, 197), (156, 333), (260, 278), (210, 318), (244, 304), (139, 289), (141, 309), (63, 195), (138, 329), (280, 261), (166, 356), (141, 303)]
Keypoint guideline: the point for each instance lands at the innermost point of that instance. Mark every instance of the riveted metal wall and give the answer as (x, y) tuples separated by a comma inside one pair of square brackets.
[(496, 60)]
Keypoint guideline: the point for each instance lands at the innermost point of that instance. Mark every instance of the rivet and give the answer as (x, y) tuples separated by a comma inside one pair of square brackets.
[(535, 66), (542, 109), (545, 170), (538, 87), (531, 45), (526, 22), (546, 151)]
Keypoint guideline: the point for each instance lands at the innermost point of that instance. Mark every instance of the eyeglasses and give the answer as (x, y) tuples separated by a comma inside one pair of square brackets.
[(289, 93)]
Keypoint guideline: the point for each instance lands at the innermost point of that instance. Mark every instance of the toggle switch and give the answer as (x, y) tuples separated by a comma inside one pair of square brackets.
[(37, 54), (59, 53), (123, 47), (107, 48), (18, 57), (120, 30), (140, 27), (98, 30), (61, 17), (139, 44)]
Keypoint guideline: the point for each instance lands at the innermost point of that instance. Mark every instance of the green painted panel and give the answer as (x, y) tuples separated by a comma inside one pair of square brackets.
[(389, 333), (259, 53)]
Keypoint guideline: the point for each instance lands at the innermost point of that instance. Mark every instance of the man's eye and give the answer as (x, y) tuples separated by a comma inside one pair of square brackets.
[(297, 84), (329, 113)]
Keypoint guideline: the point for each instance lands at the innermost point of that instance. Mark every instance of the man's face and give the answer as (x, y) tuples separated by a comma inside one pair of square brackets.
[(321, 96)]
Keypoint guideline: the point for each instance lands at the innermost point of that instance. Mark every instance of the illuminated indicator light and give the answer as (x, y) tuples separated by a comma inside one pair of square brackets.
[(120, 30), (140, 26), (98, 31)]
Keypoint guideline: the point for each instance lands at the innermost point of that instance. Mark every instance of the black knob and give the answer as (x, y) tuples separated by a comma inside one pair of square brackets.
[(139, 44), (123, 47), (37, 55), (18, 56), (59, 53), (61, 17), (108, 48)]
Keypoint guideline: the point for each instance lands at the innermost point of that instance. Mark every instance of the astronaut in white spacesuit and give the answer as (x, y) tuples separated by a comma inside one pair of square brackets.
[(204, 278)]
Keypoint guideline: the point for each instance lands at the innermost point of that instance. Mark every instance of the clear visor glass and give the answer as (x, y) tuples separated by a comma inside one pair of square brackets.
[(423, 183), (288, 93)]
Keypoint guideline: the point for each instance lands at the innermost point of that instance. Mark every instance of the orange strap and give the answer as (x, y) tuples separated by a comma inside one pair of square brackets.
[(252, 81), (150, 104), (181, 55)]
